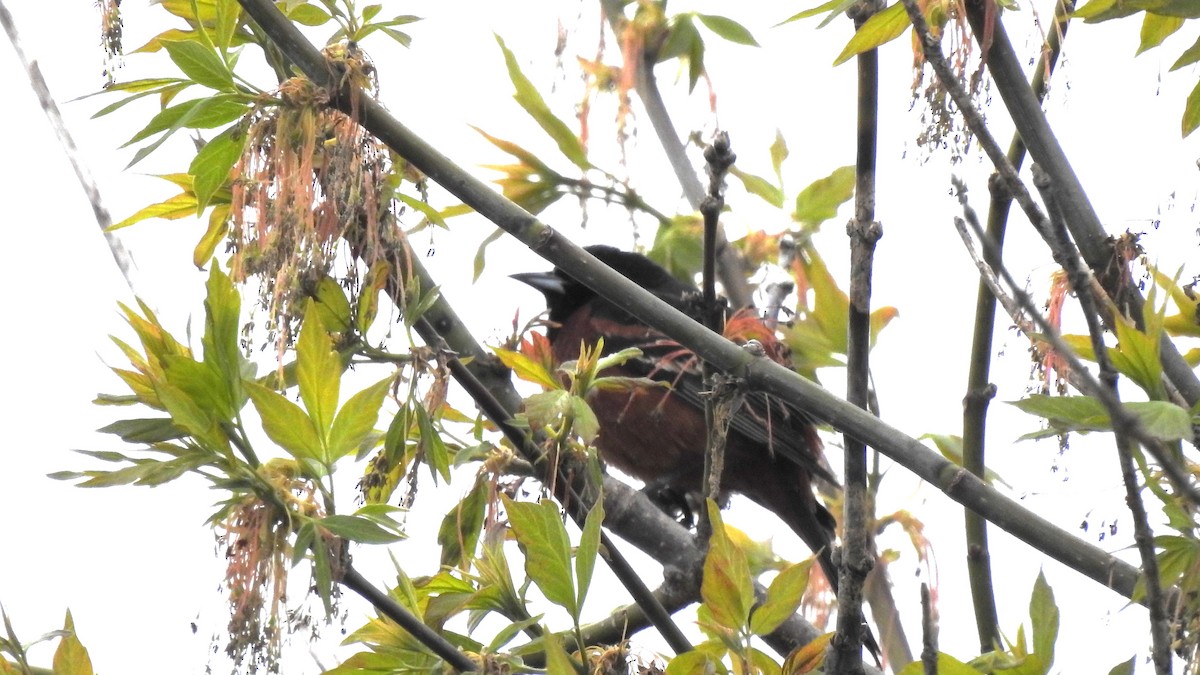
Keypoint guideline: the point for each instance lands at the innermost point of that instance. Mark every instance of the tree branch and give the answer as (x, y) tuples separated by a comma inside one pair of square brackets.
[(759, 373), (1080, 217), (845, 650), (979, 390)]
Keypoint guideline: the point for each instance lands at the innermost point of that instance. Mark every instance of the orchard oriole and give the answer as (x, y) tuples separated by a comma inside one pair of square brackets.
[(658, 435)]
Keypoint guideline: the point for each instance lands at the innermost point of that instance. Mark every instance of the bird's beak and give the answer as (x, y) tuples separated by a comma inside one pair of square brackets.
[(550, 284)]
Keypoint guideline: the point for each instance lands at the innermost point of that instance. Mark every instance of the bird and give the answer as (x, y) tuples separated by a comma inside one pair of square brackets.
[(658, 434)]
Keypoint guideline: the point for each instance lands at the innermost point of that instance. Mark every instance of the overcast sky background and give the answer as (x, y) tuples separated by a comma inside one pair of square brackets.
[(138, 568)]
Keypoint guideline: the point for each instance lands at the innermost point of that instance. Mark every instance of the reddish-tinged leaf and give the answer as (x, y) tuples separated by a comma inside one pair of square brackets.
[(528, 369)]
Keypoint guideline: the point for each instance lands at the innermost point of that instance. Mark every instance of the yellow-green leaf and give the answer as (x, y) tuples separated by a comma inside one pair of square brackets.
[(332, 304), (531, 100), (727, 588), (355, 420), (182, 205), (201, 64), (71, 657), (210, 168), (1156, 28), (589, 547), (881, 28), (318, 371), (728, 29), (527, 369), (820, 200), (218, 228), (540, 532), (1191, 112), (285, 422), (783, 598)]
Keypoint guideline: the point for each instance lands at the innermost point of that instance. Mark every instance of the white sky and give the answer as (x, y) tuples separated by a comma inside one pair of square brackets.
[(136, 567)]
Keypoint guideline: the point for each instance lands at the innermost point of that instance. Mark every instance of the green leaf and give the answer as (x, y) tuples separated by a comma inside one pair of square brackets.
[(531, 100), (1103, 10), (285, 422), (333, 305), (1124, 668), (678, 247), (880, 29), (696, 662), (583, 420), (547, 408), (201, 64), (682, 39), (206, 113), (357, 528), (726, 588), (946, 665), (1044, 615), (172, 85), (540, 532), (951, 447), (557, 660), (368, 296), (728, 29), (356, 419), (1161, 419), (228, 14), (318, 371), (1156, 28), (831, 5), (210, 168), (200, 113), (309, 15), (1191, 112), (759, 187), (589, 547), (146, 431), (1188, 57), (462, 526), (779, 152), (431, 444), (1137, 353), (222, 324), (214, 234), (480, 261), (426, 210), (820, 200), (783, 598)]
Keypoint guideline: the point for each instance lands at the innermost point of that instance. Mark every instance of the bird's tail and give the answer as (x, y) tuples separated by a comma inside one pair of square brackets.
[(816, 527)]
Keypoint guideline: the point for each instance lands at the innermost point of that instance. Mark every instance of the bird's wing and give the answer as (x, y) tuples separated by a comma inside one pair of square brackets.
[(762, 419)]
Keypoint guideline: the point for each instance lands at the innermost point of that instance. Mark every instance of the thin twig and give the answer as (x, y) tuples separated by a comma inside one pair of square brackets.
[(408, 621), (719, 157), (1178, 475), (759, 374), (1085, 226), (845, 650), (929, 632), (731, 268), (1143, 536), (979, 390), (120, 254)]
